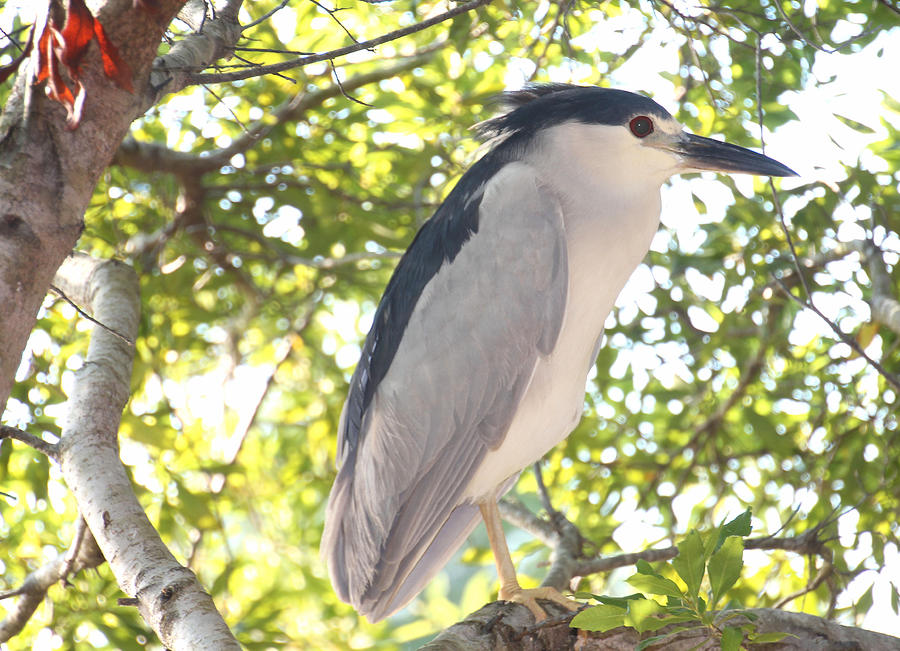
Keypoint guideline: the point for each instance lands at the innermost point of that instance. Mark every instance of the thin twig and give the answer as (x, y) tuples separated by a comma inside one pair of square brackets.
[(254, 64), (217, 78), (796, 30), (13, 593), (712, 27), (81, 531), (227, 108), (542, 490), (33, 590), (270, 50), (823, 574), (337, 80), (265, 16), (332, 12), (9, 36), (827, 50), (564, 7), (87, 316), (808, 301), (850, 341)]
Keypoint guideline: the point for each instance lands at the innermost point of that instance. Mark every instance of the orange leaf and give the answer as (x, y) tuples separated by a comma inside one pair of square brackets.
[(76, 35), (56, 85), (114, 65), (64, 49), (44, 53)]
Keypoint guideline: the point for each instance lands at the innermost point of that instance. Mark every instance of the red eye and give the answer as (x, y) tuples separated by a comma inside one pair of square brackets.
[(641, 126)]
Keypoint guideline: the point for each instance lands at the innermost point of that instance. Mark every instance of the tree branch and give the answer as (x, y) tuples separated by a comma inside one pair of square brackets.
[(156, 157), (506, 625), (170, 598), (32, 441), (568, 543), (218, 78), (844, 338), (196, 51)]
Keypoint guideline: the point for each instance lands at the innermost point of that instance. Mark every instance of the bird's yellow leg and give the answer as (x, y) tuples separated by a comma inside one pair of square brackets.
[(510, 590)]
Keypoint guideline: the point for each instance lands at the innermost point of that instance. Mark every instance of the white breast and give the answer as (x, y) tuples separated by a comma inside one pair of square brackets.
[(608, 235)]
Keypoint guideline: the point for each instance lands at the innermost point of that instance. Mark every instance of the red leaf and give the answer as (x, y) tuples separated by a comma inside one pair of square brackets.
[(114, 65), (76, 35), (44, 53), (12, 66), (56, 85), (59, 50)]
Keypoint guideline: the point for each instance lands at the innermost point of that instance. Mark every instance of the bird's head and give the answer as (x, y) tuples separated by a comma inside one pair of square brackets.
[(626, 135)]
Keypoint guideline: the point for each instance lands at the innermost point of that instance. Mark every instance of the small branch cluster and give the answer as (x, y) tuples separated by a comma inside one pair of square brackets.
[(571, 560), (82, 554)]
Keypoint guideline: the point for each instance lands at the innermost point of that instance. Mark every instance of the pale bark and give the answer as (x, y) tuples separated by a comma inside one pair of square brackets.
[(168, 595)]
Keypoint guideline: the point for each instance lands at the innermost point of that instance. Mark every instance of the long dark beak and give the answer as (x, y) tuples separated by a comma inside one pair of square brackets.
[(699, 153)]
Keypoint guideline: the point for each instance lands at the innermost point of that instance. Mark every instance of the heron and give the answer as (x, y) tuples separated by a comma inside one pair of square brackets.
[(476, 361)]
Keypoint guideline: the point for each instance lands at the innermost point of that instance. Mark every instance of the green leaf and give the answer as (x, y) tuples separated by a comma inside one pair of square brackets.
[(655, 585), (739, 526), (599, 618), (725, 567), (643, 567), (691, 563), (621, 602), (640, 615), (853, 124), (865, 601), (731, 639)]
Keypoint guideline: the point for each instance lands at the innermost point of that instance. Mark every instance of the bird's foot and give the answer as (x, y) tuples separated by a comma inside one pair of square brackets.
[(528, 597)]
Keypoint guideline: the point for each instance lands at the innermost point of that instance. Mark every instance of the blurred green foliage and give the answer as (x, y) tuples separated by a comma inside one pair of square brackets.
[(711, 395)]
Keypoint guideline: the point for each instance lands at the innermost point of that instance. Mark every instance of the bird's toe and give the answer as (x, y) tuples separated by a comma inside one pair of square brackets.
[(528, 598)]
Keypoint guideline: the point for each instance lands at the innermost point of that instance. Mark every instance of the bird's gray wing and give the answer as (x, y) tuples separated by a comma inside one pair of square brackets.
[(465, 358)]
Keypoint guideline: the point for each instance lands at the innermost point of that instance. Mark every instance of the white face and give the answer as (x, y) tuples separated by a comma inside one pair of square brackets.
[(607, 152), (639, 156), (660, 135)]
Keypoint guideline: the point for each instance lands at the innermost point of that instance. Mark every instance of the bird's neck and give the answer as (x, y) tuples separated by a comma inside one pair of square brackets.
[(610, 220)]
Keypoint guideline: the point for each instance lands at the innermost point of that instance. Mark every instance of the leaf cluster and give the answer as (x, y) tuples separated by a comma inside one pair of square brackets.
[(691, 604)]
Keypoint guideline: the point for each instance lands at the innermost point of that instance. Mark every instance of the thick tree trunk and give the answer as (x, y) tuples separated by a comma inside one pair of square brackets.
[(48, 172)]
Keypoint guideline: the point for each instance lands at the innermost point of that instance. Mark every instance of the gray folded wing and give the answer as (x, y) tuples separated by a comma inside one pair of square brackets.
[(398, 508)]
